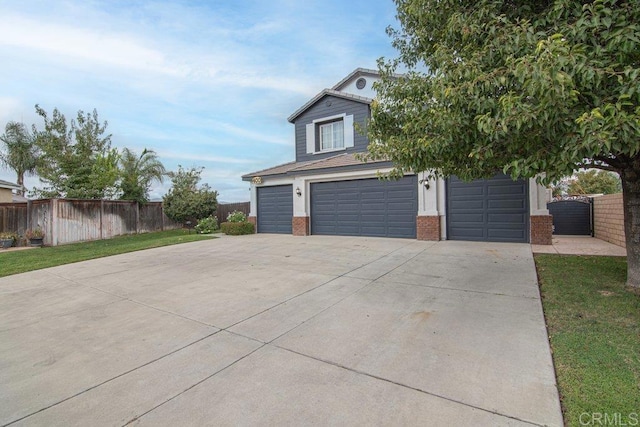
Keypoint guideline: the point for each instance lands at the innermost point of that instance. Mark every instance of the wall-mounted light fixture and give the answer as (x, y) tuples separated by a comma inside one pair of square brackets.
[(426, 184), (298, 191)]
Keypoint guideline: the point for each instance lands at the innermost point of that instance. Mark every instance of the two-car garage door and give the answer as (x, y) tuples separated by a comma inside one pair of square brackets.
[(365, 207)]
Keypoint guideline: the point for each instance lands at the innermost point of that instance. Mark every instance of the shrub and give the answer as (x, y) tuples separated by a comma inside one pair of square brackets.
[(237, 228), (207, 225), (237, 216)]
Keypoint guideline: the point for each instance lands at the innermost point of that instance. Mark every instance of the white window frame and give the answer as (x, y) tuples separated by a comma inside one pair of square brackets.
[(313, 128), (332, 135)]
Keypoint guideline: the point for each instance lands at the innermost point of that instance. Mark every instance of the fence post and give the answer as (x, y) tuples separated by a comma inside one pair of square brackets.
[(101, 218), (161, 216), (28, 221), (53, 207), (137, 217)]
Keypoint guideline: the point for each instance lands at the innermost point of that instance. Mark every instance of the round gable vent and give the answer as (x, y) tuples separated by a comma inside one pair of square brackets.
[(361, 83)]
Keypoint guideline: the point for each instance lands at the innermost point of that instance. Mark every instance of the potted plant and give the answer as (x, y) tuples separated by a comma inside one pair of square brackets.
[(6, 240), (35, 236)]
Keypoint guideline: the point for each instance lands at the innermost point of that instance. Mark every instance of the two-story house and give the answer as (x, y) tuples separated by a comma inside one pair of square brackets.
[(326, 190)]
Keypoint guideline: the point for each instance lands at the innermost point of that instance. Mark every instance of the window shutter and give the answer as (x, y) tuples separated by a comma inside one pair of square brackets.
[(348, 131), (311, 138)]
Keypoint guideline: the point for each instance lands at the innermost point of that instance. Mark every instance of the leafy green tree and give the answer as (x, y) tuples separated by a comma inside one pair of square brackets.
[(137, 173), (186, 201), (19, 152), (76, 159), (529, 88), (595, 182)]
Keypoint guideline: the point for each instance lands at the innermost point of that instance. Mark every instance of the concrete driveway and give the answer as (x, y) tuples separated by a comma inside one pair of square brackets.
[(280, 330)]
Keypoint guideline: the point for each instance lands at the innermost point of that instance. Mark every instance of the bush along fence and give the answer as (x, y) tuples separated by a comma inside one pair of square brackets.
[(225, 209), (72, 220)]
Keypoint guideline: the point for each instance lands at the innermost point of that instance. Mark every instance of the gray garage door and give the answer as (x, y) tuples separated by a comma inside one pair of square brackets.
[(275, 209), (493, 210), (365, 207)]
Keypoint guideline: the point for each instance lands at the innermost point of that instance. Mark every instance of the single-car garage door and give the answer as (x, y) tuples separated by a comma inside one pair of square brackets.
[(275, 209), (365, 207), (493, 210)]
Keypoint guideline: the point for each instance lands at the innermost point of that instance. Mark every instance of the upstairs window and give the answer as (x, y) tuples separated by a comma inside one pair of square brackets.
[(332, 135), (328, 134)]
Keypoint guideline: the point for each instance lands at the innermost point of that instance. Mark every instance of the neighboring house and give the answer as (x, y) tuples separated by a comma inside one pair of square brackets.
[(6, 191), (326, 190)]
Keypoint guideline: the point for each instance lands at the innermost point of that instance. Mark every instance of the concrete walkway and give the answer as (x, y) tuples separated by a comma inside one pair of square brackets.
[(579, 245), (280, 330)]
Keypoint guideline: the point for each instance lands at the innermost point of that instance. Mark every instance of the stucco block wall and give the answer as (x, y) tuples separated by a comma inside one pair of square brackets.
[(608, 219)]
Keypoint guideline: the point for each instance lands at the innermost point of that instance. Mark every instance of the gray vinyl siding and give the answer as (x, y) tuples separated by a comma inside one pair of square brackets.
[(360, 114)]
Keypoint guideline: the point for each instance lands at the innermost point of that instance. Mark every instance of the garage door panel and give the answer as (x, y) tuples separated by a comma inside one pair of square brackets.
[(467, 204), (373, 195), (505, 190), (506, 219), (467, 218), (506, 204), (502, 214), (463, 192), (275, 209), (459, 232), (373, 207), (506, 235)]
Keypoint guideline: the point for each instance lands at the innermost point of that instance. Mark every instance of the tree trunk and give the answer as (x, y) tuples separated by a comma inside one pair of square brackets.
[(20, 183), (630, 176)]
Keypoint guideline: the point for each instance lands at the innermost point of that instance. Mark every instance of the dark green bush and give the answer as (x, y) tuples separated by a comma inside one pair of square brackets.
[(237, 228)]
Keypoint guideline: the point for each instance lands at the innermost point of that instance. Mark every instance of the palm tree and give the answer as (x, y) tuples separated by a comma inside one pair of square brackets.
[(19, 152), (138, 172)]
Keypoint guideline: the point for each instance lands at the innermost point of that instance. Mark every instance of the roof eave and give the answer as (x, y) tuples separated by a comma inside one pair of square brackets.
[(327, 92)]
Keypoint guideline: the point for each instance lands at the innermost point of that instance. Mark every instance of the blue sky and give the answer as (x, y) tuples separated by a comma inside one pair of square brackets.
[(203, 83)]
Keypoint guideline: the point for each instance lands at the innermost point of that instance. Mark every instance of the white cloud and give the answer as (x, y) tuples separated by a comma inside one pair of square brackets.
[(250, 134), (118, 50), (202, 157)]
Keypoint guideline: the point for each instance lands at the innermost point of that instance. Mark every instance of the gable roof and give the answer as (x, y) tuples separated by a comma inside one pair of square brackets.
[(330, 92), (292, 168), (355, 73), (9, 185)]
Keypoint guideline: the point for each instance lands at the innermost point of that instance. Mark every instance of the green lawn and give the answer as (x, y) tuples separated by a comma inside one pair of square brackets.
[(13, 262), (594, 329)]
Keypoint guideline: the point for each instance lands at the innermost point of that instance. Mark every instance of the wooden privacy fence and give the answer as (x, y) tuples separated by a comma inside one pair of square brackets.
[(72, 220), (225, 209)]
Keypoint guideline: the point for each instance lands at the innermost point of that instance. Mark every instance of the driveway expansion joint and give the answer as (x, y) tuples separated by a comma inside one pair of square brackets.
[(379, 378), (111, 379)]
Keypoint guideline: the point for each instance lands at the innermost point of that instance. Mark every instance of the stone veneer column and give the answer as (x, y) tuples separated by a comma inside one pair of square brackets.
[(300, 225), (253, 220), (541, 229), (428, 227)]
